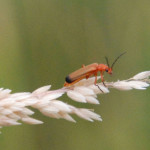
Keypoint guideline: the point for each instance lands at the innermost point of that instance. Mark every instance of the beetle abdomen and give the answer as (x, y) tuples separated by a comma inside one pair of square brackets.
[(81, 73), (68, 79)]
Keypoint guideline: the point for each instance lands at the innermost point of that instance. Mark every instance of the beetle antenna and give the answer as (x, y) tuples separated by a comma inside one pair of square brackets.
[(107, 61), (117, 59)]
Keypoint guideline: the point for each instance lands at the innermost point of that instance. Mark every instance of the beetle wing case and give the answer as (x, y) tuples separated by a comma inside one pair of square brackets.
[(80, 73)]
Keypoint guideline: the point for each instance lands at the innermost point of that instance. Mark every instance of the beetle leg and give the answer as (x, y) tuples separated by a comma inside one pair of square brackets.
[(83, 66), (87, 76), (104, 84), (95, 78), (96, 82), (102, 79)]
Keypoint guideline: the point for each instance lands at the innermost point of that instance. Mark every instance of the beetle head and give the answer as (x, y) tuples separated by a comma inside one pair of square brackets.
[(109, 69)]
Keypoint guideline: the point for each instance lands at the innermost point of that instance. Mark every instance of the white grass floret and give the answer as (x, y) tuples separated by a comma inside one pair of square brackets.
[(41, 90), (87, 114), (84, 90), (5, 121), (92, 100), (76, 96), (14, 116), (49, 110), (128, 85), (91, 114), (4, 93), (141, 75), (52, 96), (61, 106), (31, 121), (68, 117)]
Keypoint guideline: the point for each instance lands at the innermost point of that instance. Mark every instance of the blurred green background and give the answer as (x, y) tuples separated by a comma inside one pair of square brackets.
[(42, 41)]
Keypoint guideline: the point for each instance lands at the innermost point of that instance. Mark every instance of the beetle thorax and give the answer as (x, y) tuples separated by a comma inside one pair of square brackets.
[(102, 67)]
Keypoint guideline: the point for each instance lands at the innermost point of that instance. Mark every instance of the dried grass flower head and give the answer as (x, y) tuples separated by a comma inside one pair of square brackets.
[(16, 107)]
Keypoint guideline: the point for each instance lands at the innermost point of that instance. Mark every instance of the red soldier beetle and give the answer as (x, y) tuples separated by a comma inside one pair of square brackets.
[(90, 70)]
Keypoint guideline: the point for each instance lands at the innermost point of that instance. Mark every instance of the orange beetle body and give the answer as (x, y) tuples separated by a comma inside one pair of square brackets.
[(88, 71)]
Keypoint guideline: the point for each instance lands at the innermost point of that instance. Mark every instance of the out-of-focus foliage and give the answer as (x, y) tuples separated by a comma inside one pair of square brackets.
[(42, 41)]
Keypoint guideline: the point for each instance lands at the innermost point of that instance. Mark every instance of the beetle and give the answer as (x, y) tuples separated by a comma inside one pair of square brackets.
[(90, 70)]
